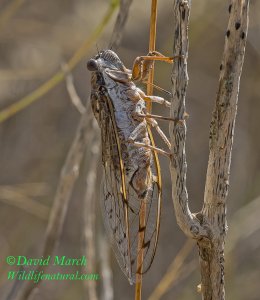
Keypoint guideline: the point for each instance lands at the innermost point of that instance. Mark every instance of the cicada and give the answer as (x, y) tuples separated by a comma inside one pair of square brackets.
[(132, 187)]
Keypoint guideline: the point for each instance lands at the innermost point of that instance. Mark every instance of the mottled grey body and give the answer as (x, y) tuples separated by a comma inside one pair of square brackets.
[(126, 103), (129, 182)]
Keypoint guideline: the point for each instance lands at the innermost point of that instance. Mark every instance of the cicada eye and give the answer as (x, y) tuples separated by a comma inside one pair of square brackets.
[(92, 65)]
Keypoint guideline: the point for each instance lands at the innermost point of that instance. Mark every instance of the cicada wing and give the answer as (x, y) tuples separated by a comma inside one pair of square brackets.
[(121, 205), (153, 211), (113, 200), (149, 232)]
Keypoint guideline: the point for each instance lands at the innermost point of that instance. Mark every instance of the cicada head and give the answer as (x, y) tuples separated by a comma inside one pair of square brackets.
[(105, 59)]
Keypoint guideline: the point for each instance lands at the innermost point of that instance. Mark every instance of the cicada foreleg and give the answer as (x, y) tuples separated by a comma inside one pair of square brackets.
[(143, 64)]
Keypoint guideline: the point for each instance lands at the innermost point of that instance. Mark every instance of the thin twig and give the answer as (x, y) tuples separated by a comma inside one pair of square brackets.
[(68, 176), (120, 23), (89, 212), (106, 273), (76, 101)]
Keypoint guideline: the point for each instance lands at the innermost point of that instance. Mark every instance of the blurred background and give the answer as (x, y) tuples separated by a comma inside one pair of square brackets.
[(36, 37)]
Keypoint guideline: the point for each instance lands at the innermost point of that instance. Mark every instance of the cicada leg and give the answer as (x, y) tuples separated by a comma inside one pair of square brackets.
[(143, 64), (158, 150), (154, 124), (134, 135), (155, 99), (151, 116)]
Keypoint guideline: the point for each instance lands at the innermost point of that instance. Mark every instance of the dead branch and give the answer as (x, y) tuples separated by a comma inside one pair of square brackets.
[(120, 23), (68, 176), (209, 226), (241, 229), (89, 212), (187, 221), (76, 101), (106, 273)]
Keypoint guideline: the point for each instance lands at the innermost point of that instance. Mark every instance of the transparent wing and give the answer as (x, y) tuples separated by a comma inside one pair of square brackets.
[(121, 204)]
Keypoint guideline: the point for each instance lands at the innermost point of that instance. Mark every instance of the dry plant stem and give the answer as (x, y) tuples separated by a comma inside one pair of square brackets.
[(119, 26), (186, 220), (89, 211), (106, 273), (68, 176), (209, 226), (220, 147), (120, 23), (76, 101), (142, 215)]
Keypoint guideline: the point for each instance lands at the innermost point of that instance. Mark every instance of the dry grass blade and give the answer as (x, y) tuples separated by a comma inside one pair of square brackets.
[(241, 227), (9, 11), (15, 197), (59, 76), (173, 271), (32, 189)]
